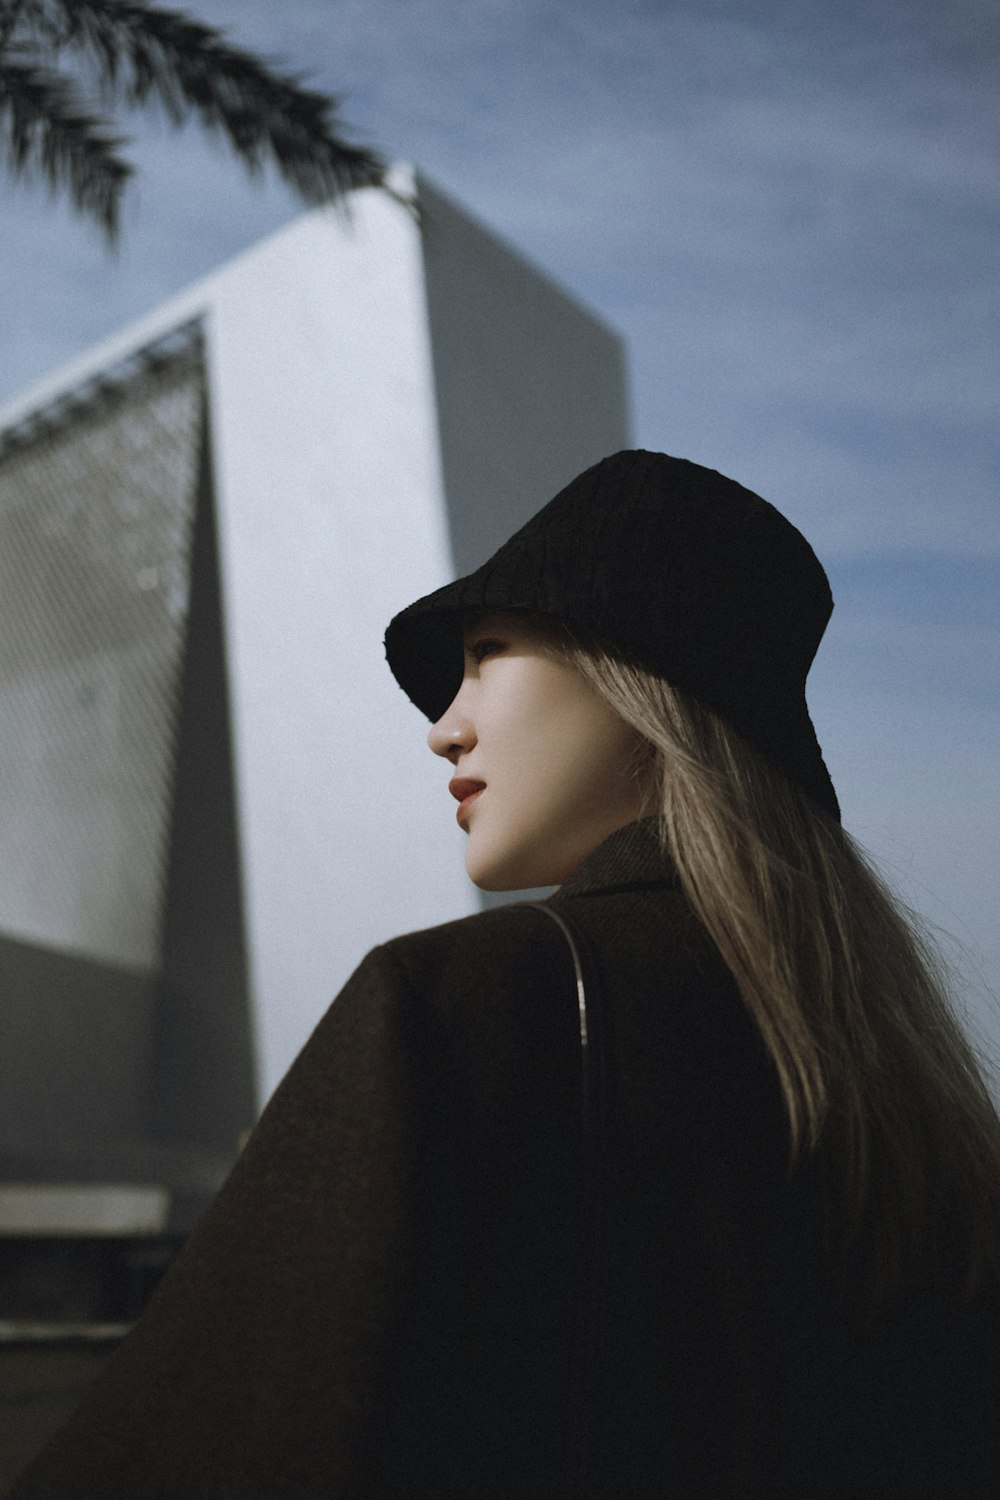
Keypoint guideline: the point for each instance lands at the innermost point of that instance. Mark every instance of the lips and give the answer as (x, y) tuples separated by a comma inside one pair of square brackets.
[(463, 786)]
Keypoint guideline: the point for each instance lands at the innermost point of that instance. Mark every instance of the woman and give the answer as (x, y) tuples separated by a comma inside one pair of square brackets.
[(749, 1247)]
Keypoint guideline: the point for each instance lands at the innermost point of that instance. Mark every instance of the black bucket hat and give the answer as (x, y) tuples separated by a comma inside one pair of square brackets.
[(676, 568)]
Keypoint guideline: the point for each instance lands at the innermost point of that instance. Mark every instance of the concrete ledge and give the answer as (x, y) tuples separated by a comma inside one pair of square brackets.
[(83, 1208)]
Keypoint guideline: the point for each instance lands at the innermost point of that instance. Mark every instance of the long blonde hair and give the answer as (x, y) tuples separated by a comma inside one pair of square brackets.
[(880, 1083)]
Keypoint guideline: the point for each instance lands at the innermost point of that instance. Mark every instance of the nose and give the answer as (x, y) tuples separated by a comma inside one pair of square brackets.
[(453, 735)]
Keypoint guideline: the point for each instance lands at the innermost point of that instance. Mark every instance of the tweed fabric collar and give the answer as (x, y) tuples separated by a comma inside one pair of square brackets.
[(631, 856)]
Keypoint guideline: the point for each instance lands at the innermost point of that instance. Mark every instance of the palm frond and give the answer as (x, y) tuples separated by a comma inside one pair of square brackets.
[(143, 53), (46, 126)]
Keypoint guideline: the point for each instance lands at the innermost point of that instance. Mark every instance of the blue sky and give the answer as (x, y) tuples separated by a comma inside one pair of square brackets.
[(791, 212)]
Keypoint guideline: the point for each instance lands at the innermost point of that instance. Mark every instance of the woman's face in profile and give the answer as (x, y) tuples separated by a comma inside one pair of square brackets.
[(553, 758)]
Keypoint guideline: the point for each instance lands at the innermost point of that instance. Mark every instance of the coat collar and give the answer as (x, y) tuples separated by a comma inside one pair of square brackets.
[(631, 856)]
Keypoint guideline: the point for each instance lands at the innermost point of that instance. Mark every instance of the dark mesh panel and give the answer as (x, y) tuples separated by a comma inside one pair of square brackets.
[(96, 508)]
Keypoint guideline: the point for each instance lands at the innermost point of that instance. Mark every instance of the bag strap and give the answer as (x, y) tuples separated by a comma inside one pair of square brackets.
[(593, 1123)]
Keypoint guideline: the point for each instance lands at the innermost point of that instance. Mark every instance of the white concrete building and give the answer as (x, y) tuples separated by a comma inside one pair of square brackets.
[(214, 799)]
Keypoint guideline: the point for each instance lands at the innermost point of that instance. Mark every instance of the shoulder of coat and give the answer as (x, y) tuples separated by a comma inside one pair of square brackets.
[(488, 932)]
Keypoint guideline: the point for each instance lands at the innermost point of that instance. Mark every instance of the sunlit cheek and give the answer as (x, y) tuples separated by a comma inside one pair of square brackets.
[(608, 768)]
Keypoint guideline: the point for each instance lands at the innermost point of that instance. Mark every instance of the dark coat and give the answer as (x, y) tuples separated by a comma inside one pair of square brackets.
[(392, 1297)]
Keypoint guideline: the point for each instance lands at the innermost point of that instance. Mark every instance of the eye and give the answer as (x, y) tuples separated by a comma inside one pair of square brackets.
[(485, 646)]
